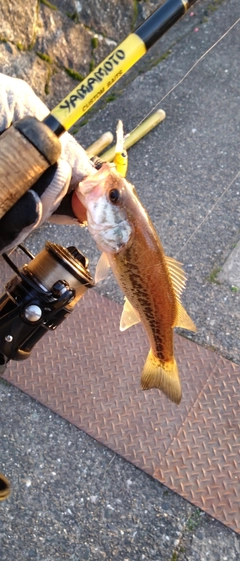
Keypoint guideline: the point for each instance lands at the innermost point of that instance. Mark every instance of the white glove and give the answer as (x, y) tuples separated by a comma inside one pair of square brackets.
[(52, 192)]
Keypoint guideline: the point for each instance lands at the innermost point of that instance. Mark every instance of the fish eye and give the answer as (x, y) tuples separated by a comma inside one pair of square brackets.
[(114, 196)]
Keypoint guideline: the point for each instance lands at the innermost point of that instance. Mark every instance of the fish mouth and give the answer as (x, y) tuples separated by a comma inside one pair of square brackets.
[(95, 180)]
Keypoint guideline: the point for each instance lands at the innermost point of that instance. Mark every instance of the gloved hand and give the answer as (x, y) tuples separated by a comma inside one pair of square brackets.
[(51, 196)]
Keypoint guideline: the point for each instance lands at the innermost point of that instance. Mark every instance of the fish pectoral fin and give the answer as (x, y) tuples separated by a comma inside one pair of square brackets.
[(102, 268), (129, 316), (183, 319), (163, 376)]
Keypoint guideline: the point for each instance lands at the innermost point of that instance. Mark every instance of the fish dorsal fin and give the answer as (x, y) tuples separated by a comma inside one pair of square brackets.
[(102, 268), (177, 275), (178, 279), (129, 316), (183, 319)]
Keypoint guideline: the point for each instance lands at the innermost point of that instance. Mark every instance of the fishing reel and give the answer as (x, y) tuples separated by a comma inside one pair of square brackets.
[(39, 297)]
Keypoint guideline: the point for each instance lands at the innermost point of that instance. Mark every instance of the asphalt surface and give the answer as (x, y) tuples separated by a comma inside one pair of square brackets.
[(72, 498)]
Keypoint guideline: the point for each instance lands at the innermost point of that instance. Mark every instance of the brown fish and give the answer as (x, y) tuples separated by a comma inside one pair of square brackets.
[(151, 282)]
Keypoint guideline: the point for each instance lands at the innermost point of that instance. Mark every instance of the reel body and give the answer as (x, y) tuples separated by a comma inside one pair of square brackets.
[(39, 297)]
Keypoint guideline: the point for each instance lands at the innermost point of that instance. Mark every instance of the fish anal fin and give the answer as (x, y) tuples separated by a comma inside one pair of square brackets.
[(183, 319), (163, 376), (102, 268), (129, 316)]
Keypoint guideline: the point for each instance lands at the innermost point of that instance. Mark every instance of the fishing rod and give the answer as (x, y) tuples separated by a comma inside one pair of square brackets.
[(134, 47), (30, 146)]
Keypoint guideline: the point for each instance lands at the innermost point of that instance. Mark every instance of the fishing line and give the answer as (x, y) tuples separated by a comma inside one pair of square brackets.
[(187, 73), (165, 96), (209, 212)]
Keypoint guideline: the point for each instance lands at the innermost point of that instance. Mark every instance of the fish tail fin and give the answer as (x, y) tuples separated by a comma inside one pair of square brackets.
[(162, 375)]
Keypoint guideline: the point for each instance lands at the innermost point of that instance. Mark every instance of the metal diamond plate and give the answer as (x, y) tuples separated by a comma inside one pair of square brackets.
[(203, 463), (89, 373)]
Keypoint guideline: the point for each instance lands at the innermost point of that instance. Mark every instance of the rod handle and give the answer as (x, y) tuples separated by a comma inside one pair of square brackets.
[(27, 149)]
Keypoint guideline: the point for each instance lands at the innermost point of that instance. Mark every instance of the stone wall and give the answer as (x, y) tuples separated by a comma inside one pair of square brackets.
[(54, 45)]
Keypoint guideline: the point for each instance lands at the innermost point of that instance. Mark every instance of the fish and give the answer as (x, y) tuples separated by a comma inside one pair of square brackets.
[(151, 282)]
